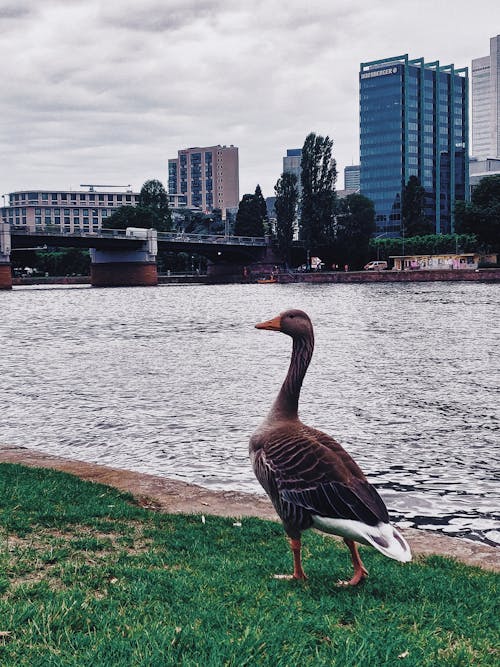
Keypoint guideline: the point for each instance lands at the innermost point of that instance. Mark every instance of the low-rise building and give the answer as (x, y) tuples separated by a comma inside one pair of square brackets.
[(444, 261), (68, 210)]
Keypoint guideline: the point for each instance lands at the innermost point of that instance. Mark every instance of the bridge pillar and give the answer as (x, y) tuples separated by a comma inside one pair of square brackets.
[(5, 248), (126, 268)]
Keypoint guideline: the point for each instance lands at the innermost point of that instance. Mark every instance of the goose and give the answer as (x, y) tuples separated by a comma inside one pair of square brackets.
[(311, 480)]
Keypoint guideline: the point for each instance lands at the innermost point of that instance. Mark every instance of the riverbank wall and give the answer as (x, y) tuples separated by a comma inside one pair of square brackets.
[(85, 280), (490, 275)]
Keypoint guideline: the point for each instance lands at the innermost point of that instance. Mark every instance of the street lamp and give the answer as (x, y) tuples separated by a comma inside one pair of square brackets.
[(379, 236)]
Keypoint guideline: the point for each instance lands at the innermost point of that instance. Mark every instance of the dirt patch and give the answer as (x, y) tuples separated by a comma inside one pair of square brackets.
[(173, 496)]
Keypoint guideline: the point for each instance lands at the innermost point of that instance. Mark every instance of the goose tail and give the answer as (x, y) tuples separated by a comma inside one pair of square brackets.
[(383, 536), (389, 541)]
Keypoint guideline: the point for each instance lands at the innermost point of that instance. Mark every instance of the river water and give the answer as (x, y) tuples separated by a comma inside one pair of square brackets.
[(173, 380)]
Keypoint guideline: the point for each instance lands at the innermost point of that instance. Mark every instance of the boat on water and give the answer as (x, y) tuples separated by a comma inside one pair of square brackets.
[(266, 281)]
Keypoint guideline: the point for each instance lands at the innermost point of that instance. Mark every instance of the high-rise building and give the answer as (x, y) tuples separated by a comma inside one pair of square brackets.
[(351, 177), (486, 103), (292, 165), (208, 177), (413, 122)]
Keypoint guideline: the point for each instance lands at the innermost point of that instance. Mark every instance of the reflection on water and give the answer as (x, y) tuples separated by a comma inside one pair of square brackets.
[(173, 380)]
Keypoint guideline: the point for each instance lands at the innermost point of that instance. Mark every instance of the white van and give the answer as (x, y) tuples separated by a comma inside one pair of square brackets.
[(376, 266)]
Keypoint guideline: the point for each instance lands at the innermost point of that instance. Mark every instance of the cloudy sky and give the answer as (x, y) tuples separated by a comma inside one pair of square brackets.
[(105, 91)]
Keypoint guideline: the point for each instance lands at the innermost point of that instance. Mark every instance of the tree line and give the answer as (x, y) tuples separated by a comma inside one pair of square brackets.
[(338, 230)]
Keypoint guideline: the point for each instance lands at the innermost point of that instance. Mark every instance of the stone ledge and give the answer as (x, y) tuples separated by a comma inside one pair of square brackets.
[(174, 496)]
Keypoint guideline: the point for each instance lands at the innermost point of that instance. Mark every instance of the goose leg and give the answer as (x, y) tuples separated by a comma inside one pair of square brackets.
[(298, 572), (360, 572)]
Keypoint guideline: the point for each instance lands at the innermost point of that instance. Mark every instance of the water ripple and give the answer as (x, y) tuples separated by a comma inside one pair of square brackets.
[(173, 381)]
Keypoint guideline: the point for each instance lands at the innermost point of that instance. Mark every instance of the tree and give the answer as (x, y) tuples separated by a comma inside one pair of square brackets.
[(262, 205), (481, 216), (354, 227), (413, 219), (152, 211), (154, 198), (318, 178), (287, 195), (129, 216), (249, 220)]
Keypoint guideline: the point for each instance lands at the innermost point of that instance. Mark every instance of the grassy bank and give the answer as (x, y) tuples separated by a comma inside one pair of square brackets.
[(89, 578)]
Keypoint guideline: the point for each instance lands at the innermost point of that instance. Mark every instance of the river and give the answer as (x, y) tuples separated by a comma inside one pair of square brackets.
[(173, 380)]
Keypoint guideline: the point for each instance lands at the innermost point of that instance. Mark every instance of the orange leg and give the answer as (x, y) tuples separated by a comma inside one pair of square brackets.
[(360, 572), (298, 572)]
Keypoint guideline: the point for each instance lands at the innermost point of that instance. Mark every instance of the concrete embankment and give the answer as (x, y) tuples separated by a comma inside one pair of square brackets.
[(491, 275), (173, 496)]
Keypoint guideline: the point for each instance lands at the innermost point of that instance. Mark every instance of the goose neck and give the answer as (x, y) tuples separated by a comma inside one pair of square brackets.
[(287, 401)]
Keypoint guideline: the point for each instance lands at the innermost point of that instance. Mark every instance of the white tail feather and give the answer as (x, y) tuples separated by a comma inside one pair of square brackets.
[(384, 537)]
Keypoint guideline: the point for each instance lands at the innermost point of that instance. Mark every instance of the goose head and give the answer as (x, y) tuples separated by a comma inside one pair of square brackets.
[(294, 323)]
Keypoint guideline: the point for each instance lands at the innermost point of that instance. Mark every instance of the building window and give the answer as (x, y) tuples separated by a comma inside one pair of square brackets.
[(82, 197)]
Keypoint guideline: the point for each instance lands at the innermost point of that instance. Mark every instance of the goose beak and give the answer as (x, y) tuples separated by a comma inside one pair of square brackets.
[(272, 325)]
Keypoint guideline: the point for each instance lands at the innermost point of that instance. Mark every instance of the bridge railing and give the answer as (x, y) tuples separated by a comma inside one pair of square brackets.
[(211, 238), (162, 236)]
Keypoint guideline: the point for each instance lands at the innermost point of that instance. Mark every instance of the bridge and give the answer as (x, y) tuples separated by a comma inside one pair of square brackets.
[(128, 257)]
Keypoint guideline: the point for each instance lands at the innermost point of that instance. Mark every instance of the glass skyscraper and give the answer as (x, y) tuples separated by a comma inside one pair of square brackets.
[(413, 122)]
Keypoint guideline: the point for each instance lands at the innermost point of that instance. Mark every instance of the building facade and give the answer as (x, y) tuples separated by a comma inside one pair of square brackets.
[(68, 210), (479, 169), (292, 163), (485, 79), (351, 178), (207, 177), (413, 122)]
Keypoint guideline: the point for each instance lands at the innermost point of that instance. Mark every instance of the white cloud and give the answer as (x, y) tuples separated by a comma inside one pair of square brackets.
[(100, 91)]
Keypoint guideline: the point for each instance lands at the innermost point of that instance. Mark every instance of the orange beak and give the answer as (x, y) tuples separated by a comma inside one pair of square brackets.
[(272, 325)]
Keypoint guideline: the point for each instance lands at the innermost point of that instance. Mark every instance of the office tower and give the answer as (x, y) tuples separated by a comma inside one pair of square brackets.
[(208, 177), (292, 165), (413, 122), (351, 178), (485, 81)]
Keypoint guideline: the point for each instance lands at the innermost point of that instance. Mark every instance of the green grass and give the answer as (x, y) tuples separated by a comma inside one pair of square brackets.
[(89, 578)]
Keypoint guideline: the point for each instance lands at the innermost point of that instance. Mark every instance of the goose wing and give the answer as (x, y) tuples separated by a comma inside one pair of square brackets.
[(308, 473)]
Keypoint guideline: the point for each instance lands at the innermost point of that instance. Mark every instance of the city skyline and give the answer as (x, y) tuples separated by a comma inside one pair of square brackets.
[(96, 93)]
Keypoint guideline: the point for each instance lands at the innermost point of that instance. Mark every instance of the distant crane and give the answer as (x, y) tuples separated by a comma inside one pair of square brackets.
[(91, 186)]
